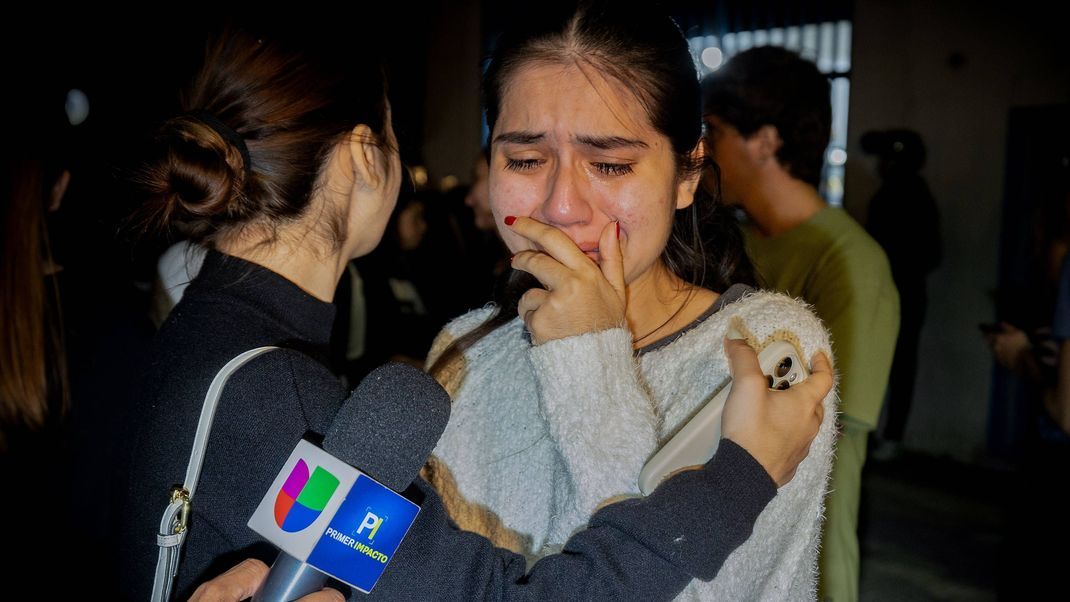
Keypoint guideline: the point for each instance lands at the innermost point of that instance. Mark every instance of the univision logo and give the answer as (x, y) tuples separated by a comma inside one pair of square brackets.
[(303, 497)]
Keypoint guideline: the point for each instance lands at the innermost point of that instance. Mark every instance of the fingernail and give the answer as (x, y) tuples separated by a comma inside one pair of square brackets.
[(509, 219), (618, 230)]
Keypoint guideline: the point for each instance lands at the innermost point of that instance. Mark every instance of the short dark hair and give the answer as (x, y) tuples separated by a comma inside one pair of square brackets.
[(773, 86)]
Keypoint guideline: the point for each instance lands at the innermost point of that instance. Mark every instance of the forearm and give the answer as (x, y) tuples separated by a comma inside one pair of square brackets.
[(648, 548), (438, 561), (697, 518)]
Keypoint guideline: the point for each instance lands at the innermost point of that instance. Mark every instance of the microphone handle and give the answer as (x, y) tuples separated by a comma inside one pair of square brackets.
[(289, 579)]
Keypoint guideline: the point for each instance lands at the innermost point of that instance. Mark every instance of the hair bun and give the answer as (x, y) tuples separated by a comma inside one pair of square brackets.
[(197, 175), (204, 169)]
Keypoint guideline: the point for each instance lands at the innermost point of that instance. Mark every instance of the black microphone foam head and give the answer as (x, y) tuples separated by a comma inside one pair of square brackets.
[(390, 424)]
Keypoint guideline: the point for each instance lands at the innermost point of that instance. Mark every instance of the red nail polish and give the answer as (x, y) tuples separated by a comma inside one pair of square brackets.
[(509, 219), (618, 230)]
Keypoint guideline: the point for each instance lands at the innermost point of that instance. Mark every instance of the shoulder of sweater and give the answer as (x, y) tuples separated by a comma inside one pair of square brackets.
[(765, 313), (468, 322), (762, 314), (779, 307), (772, 299), (464, 324)]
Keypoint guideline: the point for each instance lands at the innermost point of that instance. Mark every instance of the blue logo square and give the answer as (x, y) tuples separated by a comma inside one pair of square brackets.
[(364, 534)]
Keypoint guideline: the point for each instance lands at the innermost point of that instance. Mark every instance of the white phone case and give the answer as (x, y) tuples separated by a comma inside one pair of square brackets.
[(697, 441)]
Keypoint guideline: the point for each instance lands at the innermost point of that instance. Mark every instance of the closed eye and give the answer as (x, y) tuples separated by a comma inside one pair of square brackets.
[(522, 164), (614, 169)]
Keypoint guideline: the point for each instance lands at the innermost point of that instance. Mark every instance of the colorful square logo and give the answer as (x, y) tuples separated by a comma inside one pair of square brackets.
[(303, 497), (364, 534), (299, 504)]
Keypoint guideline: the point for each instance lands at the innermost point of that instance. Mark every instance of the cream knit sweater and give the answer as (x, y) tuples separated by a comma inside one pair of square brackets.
[(539, 437)]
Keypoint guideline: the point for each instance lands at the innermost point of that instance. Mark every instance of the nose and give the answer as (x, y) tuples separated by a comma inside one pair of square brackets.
[(566, 201)]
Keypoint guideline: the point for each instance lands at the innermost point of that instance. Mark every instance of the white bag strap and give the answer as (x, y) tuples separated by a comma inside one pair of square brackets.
[(172, 532)]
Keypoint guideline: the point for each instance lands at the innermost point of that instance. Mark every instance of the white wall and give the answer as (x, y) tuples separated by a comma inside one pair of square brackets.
[(901, 78)]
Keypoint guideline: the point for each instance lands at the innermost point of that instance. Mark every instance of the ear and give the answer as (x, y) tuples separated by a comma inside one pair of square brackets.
[(369, 162), (686, 187), (764, 144)]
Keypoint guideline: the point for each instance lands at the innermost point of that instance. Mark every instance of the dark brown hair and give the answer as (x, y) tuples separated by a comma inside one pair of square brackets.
[(33, 366), (646, 52), (774, 86), (289, 103)]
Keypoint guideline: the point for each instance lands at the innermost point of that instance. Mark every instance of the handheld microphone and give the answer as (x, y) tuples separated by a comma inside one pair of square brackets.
[(330, 519)]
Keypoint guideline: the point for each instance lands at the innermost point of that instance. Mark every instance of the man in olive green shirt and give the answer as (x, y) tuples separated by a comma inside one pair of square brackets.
[(768, 116)]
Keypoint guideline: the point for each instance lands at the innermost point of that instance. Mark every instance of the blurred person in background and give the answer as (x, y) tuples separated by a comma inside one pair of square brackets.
[(1040, 357), (71, 331), (904, 220)]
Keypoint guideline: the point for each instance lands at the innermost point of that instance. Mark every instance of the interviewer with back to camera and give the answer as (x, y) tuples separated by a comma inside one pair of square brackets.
[(285, 166)]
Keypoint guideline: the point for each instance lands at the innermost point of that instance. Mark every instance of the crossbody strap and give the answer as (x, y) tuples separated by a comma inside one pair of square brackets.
[(173, 523)]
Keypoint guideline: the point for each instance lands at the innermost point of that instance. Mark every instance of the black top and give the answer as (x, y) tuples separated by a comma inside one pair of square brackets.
[(232, 306), (647, 548)]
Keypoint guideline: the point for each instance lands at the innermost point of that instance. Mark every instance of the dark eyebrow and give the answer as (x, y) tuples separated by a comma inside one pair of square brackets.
[(610, 142), (521, 137)]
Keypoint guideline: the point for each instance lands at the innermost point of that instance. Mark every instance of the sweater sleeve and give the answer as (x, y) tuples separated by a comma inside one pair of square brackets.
[(644, 548), (599, 416)]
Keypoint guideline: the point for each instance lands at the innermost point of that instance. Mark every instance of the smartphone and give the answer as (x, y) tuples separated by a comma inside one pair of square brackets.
[(698, 440)]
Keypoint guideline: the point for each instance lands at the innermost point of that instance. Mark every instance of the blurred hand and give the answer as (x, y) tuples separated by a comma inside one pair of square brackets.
[(579, 295), (776, 427), (1008, 345), (242, 581)]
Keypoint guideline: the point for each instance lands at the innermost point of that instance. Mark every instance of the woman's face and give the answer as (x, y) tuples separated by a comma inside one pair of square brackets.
[(576, 150)]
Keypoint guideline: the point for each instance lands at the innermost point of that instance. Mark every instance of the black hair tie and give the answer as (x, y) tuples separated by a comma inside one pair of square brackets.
[(227, 134)]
